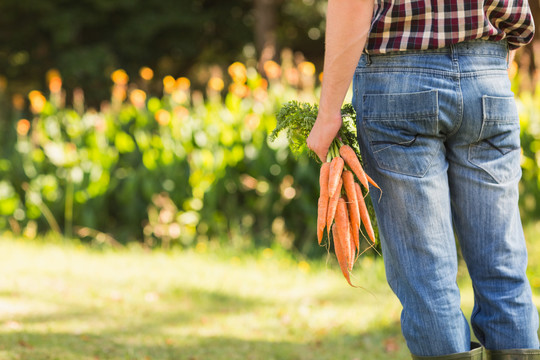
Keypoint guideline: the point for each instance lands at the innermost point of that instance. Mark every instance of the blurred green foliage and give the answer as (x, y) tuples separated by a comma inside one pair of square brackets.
[(179, 166), (86, 40), (528, 100), (530, 143)]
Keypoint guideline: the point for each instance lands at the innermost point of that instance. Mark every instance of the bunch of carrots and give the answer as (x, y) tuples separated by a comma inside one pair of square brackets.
[(343, 214), (341, 206)]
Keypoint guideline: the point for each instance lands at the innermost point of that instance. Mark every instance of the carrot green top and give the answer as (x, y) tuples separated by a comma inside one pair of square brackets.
[(297, 119)]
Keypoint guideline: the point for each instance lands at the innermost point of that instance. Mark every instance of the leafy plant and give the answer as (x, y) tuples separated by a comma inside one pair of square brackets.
[(206, 158), (297, 119)]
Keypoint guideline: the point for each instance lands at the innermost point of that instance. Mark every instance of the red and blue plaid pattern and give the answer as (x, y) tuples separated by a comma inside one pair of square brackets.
[(429, 24)]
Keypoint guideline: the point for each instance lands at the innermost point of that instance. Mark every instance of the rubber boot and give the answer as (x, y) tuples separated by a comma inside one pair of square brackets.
[(476, 353), (514, 354)]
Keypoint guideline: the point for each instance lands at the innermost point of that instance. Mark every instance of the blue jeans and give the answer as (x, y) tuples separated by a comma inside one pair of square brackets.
[(439, 132)]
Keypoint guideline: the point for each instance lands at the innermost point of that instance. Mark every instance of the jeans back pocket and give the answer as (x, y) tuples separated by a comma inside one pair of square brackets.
[(402, 130), (497, 149)]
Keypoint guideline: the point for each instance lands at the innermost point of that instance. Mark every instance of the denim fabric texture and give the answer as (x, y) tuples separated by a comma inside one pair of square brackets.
[(439, 132)]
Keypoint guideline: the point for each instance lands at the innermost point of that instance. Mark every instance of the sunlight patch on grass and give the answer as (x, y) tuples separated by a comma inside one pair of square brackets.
[(79, 303), (73, 302)]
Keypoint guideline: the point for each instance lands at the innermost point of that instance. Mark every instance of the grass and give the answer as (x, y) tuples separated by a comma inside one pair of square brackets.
[(67, 301)]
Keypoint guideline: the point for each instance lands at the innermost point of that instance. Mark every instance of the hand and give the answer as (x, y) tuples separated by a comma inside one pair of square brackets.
[(323, 133)]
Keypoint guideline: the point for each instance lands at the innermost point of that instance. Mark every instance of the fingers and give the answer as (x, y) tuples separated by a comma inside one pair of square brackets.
[(320, 149), (322, 155), (322, 134)]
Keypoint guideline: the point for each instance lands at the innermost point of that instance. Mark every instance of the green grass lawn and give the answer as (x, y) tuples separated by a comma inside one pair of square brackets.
[(67, 301)]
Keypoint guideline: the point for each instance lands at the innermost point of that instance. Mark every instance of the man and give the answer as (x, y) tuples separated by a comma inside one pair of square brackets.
[(439, 132)]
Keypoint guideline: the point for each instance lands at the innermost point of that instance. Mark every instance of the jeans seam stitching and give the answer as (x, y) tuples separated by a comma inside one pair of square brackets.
[(459, 92)]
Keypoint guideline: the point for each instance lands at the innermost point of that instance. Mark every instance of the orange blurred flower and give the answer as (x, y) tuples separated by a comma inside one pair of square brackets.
[(216, 83), (55, 85), (52, 73), (163, 117), (306, 68), (146, 73), (239, 90), (183, 83), (272, 69), (321, 76), (37, 101), (18, 101), (181, 112), (137, 98), (292, 76), (23, 126), (168, 84), (119, 93), (120, 77), (238, 72), (54, 80), (179, 97), (260, 94)]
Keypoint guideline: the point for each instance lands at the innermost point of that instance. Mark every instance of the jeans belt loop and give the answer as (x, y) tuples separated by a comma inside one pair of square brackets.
[(368, 59)]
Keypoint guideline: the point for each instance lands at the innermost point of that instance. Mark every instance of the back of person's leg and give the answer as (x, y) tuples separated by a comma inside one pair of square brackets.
[(484, 171), (399, 129)]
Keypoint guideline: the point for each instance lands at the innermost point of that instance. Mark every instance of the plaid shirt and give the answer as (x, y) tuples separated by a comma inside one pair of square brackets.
[(399, 25)]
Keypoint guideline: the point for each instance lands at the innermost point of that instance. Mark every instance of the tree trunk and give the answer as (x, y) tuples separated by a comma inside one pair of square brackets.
[(265, 13)]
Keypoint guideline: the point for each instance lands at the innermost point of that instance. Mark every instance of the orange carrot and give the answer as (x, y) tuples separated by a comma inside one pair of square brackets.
[(322, 206), (340, 254), (323, 178), (336, 167), (353, 247), (322, 209), (352, 202), (350, 158), (343, 229), (364, 214), (332, 206), (372, 182), (355, 235)]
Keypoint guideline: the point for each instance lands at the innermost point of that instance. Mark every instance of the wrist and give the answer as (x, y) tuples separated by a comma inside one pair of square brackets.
[(330, 116)]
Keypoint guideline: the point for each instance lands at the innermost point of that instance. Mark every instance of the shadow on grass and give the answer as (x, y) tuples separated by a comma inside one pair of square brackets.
[(376, 344), (173, 307), (379, 344), (175, 328)]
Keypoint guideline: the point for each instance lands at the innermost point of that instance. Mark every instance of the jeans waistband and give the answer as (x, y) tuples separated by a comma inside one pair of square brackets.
[(472, 47)]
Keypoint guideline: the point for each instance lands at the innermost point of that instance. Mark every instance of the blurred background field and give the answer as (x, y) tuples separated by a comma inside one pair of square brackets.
[(142, 207), (137, 123), (180, 166)]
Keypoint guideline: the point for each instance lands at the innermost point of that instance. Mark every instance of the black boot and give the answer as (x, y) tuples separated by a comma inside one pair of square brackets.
[(476, 353), (514, 354)]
